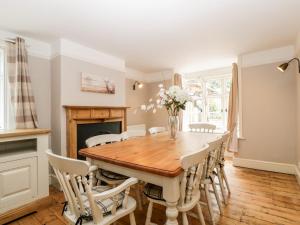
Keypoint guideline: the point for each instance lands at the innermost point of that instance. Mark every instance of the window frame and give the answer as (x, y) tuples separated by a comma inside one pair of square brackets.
[(203, 78)]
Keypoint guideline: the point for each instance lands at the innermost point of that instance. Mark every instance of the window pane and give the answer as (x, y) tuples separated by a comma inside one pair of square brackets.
[(214, 87), (2, 108), (227, 85), (194, 88), (215, 112)]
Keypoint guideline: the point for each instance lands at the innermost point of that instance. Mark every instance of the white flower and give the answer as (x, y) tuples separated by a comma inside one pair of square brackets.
[(143, 107), (160, 85), (150, 106)]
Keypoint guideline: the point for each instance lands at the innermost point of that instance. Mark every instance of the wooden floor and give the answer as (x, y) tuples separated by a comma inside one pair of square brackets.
[(258, 197)]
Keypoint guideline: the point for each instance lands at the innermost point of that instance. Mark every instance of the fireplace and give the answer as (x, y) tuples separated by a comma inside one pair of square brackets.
[(86, 121), (87, 130)]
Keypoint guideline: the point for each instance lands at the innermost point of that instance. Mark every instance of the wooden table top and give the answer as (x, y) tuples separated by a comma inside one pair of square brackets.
[(156, 154)]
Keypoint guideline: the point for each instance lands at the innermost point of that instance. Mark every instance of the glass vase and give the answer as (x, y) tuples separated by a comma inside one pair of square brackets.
[(173, 126)]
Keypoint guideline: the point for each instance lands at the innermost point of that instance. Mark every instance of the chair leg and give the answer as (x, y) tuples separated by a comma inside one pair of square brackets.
[(184, 219), (200, 214), (149, 213), (138, 196), (209, 204), (225, 178), (217, 196), (221, 185), (132, 219)]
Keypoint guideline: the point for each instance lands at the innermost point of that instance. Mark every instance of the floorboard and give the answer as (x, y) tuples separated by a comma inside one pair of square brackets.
[(258, 198)]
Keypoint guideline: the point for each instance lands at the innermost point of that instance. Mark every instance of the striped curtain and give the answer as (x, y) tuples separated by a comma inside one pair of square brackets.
[(20, 85), (177, 80)]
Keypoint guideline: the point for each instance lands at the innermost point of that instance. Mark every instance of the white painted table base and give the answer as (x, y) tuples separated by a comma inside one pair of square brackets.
[(170, 185)]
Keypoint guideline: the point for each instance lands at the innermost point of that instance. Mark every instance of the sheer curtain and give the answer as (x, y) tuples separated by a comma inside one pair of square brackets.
[(177, 80), (20, 84), (233, 110)]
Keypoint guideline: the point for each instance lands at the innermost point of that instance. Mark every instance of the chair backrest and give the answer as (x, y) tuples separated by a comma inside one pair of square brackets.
[(202, 127), (225, 146), (212, 158), (155, 130), (192, 165), (102, 139), (71, 174)]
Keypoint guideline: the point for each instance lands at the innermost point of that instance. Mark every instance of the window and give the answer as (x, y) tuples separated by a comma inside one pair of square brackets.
[(210, 96), (2, 91)]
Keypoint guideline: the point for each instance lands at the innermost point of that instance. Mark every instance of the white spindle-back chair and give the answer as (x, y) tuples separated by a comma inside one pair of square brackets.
[(155, 130), (219, 170), (102, 139), (202, 127), (90, 204), (208, 174), (192, 165), (109, 177)]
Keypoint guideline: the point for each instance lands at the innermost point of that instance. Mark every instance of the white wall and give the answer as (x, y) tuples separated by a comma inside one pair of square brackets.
[(70, 84), (269, 114), (40, 73)]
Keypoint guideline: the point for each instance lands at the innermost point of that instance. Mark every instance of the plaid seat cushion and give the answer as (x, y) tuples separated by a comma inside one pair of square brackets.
[(105, 205), (112, 175), (154, 191)]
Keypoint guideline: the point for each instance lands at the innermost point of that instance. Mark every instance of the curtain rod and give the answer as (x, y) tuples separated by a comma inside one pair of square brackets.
[(11, 40)]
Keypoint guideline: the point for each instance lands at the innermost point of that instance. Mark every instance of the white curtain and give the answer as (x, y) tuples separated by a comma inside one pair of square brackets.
[(233, 108)]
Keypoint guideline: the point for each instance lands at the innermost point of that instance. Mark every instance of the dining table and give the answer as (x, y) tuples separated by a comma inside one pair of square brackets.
[(153, 159)]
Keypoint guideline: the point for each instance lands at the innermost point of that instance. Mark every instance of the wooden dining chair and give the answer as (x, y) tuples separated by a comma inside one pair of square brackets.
[(102, 139), (192, 165), (202, 127), (88, 204), (208, 176), (155, 130), (220, 163)]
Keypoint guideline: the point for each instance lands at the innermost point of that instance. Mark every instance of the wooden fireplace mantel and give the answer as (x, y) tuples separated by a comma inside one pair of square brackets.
[(90, 114)]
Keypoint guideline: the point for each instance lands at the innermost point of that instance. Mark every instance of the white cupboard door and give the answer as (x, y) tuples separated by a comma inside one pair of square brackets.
[(18, 183)]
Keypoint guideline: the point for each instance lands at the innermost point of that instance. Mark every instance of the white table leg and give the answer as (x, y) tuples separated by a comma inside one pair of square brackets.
[(171, 195)]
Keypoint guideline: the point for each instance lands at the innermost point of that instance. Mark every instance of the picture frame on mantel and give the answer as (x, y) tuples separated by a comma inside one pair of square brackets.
[(97, 83)]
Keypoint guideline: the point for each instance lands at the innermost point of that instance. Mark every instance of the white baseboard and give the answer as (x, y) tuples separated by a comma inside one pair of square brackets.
[(265, 165)]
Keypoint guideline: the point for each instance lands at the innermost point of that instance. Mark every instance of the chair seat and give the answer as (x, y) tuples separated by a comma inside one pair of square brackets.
[(112, 175), (105, 205), (154, 192)]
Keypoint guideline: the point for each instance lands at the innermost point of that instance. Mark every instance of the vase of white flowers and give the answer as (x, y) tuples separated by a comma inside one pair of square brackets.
[(173, 99)]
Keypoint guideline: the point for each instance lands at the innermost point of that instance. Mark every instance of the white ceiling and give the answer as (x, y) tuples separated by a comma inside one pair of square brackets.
[(152, 35)]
